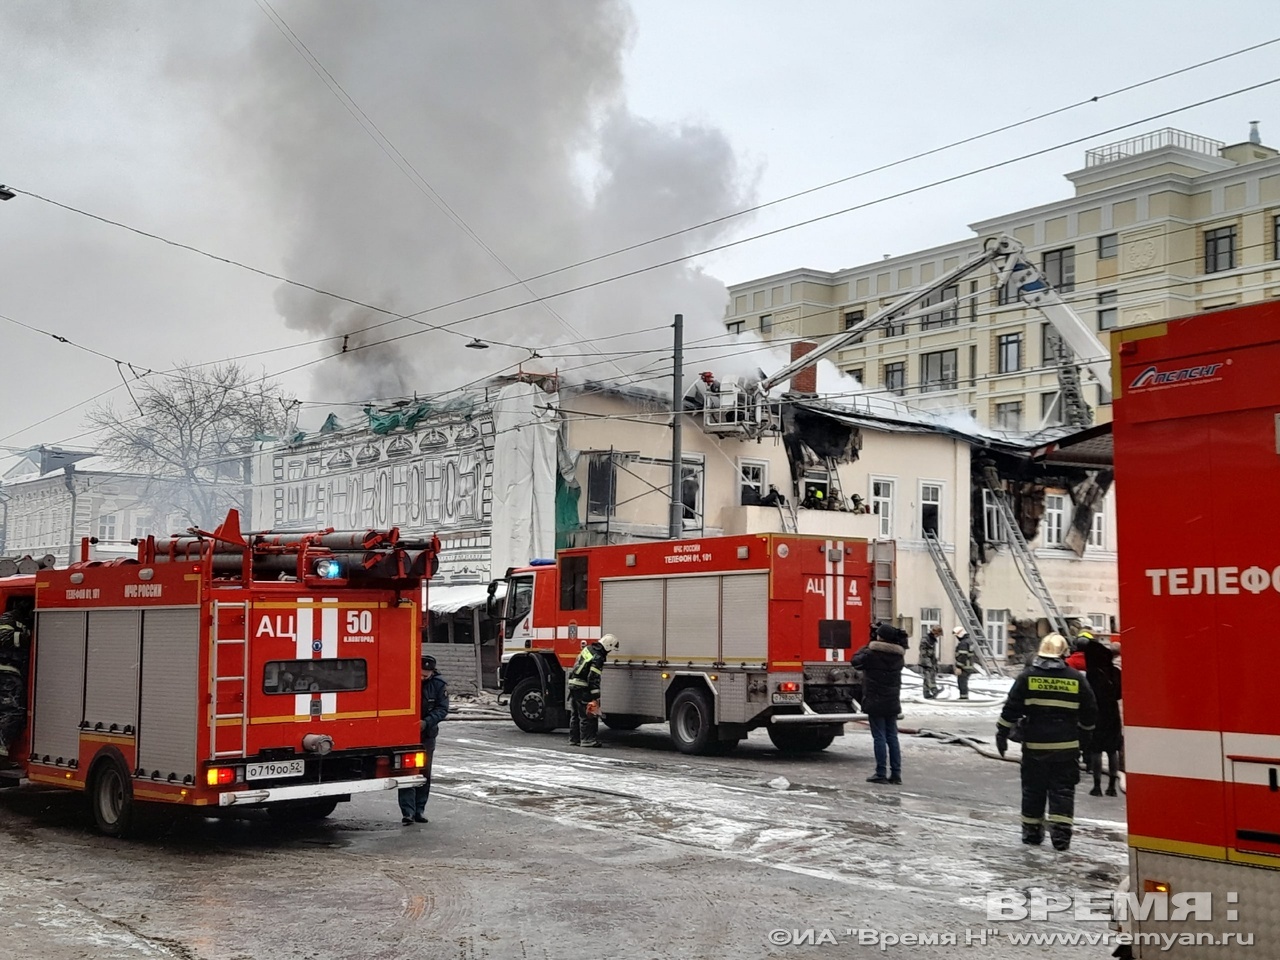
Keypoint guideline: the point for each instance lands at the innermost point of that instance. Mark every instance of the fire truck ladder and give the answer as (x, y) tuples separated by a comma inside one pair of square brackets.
[(1075, 411), (1022, 555), (242, 678), (960, 604)]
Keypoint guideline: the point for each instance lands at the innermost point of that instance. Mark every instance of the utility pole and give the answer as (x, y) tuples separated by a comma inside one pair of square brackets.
[(677, 415)]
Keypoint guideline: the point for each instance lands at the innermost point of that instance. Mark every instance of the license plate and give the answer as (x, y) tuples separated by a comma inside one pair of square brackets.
[(788, 698), (275, 768)]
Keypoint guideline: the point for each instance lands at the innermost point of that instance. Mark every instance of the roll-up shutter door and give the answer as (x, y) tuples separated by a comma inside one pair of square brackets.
[(170, 704), (111, 670), (632, 611), (59, 702), (746, 618), (693, 619)]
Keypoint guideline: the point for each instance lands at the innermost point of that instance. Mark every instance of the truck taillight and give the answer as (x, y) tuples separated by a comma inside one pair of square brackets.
[(216, 776), (789, 686), (411, 761)]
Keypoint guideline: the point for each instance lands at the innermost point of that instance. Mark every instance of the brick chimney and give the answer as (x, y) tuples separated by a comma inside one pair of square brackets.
[(806, 381)]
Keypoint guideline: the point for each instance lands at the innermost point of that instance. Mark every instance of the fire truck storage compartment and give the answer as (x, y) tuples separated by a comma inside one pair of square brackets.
[(59, 671), (111, 671), (700, 622), (170, 700)]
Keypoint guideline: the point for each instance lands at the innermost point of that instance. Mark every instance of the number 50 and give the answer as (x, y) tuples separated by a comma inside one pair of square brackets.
[(359, 621)]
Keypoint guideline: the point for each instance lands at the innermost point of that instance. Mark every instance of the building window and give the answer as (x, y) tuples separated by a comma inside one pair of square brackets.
[(1098, 529), (852, 317), (930, 617), (1219, 249), (735, 327), (895, 328), (930, 508), (766, 323), (997, 630), (895, 378), (973, 366), (602, 485), (107, 526), (938, 371), (1051, 408), (1055, 519), (141, 526), (753, 481), (1060, 269), (691, 492), (1009, 415), (1099, 623), (993, 525), (1108, 246), (859, 374), (945, 317), (1007, 293), (1107, 310), (973, 301), (1104, 396), (1009, 347), (1275, 237), (882, 505)]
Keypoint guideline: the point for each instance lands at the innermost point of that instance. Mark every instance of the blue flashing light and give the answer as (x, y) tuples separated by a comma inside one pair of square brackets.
[(329, 569), (542, 562)]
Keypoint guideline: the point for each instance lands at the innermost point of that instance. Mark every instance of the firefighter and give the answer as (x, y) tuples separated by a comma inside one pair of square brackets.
[(13, 682), (435, 707), (929, 645), (964, 661), (584, 691), (1060, 713)]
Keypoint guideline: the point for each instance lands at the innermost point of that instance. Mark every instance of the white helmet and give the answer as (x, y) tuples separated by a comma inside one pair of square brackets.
[(609, 642)]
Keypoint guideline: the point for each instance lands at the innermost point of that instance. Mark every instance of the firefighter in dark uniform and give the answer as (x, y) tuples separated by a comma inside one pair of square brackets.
[(13, 679), (584, 691), (1060, 712), (964, 661), (929, 661), (435, 707)]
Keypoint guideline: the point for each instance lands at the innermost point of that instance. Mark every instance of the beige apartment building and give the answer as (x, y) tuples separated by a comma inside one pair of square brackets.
[(1161, 225)]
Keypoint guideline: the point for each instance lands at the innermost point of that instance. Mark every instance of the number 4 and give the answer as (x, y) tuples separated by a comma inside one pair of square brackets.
[(359, 621)]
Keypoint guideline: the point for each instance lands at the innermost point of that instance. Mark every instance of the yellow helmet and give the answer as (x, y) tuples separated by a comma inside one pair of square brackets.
[(1085, 635)]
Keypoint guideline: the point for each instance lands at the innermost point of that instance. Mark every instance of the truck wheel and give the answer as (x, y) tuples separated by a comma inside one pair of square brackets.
[(111, 798), (302, 812), (693, 725), (529, 706), (792, 741), (621, 721)]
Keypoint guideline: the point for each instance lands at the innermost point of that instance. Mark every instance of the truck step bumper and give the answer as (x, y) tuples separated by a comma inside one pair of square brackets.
[(810, 719), (309, 791)]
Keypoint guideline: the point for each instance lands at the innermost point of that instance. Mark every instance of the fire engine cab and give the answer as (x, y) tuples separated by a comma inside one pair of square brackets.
[(215, 670), (718, 636)]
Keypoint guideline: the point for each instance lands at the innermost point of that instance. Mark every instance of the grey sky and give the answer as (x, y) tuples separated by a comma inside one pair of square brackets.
[(556, 131)]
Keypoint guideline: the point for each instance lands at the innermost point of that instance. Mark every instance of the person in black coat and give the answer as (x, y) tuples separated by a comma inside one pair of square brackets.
[(1104, 679), (1060, 713), (435, 707), (881, 664)]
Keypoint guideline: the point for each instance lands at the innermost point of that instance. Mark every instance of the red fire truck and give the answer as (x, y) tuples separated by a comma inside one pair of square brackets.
[(1197, 457), (718, 636), (214, 670)]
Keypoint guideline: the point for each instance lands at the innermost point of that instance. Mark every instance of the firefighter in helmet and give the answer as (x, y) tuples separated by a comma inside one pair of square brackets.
[(584, 691), (13, 679), (1060, 712)]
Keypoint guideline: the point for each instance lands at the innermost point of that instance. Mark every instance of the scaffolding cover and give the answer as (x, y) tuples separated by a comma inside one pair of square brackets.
[(525, 439)]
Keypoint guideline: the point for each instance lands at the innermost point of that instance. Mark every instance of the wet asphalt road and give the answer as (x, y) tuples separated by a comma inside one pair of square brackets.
[(539, 850)]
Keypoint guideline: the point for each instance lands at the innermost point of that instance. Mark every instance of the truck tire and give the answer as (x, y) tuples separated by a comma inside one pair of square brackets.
[(529, 706), (805, 740), (693, 726), (111, 797), (304, 811), (621, 721)]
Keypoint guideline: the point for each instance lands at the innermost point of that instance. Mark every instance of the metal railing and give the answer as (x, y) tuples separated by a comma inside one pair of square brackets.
[(1156, 140)]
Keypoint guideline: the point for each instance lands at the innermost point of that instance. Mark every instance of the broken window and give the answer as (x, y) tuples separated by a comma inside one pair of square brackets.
[(1054, 525), (930, 508), (882, 505), (602, 485), (753, 479), (993, 525)]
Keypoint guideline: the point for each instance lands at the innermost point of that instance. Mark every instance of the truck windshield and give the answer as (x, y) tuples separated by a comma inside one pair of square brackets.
[(314, 676)]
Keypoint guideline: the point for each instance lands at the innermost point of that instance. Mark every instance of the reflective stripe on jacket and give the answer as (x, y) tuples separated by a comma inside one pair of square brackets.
[(1059, 706), (586, 670)]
